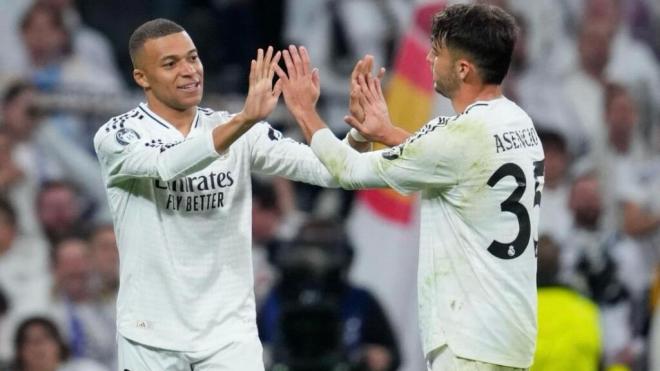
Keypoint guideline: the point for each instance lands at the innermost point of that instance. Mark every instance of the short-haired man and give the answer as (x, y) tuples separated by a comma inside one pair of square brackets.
[(178, 182), (480, 174)]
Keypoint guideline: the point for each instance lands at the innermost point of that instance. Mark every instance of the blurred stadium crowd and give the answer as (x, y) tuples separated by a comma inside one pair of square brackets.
[(334, 275)]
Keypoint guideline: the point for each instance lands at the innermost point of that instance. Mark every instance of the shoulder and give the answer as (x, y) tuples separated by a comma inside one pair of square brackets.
[(124, 128), (212, 117)]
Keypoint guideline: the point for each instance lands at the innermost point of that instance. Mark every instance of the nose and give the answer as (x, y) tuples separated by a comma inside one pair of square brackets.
[(187, 68)]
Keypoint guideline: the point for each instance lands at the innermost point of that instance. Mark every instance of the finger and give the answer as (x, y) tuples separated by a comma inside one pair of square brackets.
[(260, 61), (277, 89), (372, 87), (368, 64), (253, 67), (297, 62), (364, 99), (356, 71), (307, 61), (364, 88), (380, 90), (316, 77), (273, 64), (281, 74), (353, 122), (266, 66), (381, 73), (291, 71)]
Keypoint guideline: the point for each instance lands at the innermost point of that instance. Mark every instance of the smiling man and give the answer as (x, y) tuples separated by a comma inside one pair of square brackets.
[(178, 181)]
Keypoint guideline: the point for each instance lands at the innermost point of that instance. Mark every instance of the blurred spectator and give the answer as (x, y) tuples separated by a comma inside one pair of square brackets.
[(59, 210), (23, 264), (90, 329), (43, 154), (584, 86), (54, 67), (569, 331), (89, 44), (337, 33), (53, 63), (266, 219), (536, 86), (105, 266), (588, 264), (631, 62), (39, 347), (314, 318), (24, 277), (555, 217)]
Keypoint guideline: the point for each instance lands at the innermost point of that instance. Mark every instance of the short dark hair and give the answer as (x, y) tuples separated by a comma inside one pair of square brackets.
[(21, 337), (152, 29), (552, 138), (485, 33), (15, 89)]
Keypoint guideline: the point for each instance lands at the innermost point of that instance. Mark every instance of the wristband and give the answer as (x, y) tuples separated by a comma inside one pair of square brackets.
[(357, 136)]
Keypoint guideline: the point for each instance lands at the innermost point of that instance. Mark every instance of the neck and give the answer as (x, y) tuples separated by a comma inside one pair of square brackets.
[(473, 93), (180, 119)]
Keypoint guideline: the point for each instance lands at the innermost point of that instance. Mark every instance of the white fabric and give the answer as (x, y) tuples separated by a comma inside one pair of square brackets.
[(244, 354), (555, 219), (182, 216), (443, 359), (482, 305), (25, 280), (82, 365)]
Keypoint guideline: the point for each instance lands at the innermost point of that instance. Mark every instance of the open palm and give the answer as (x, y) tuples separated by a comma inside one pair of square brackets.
[(262, 96)]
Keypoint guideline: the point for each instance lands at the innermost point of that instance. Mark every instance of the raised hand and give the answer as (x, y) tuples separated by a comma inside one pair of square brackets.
[(362, 67), (375, 125), (262, 96), (300, 84)]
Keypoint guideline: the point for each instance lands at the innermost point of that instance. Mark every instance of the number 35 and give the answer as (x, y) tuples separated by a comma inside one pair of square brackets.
[(512, 204)]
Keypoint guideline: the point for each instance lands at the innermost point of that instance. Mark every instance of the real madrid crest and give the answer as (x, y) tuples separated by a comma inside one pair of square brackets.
[(126, 136)]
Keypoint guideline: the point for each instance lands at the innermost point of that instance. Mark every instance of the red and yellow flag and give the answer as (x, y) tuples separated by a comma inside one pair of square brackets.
[(410, 98)]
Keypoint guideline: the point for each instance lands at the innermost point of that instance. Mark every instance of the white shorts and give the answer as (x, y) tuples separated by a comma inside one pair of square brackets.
[(443, 359), (240, 355)]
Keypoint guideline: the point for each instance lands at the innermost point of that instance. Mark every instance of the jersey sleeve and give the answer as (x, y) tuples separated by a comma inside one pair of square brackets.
[(125, 152), (273, 154), (424, 160)]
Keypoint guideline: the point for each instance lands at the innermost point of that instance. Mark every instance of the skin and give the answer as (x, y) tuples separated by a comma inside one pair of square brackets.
[(171, 74), (40, 351), (455, 76)]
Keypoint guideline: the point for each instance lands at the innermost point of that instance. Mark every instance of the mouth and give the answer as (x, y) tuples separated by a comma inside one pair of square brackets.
[(190, 87)]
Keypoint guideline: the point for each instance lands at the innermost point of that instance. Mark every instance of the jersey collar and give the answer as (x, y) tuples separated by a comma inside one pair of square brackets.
[(164, 123), (483, 103)]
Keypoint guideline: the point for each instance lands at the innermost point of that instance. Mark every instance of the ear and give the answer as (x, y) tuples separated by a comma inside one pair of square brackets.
[(463, 68), (140, 78)]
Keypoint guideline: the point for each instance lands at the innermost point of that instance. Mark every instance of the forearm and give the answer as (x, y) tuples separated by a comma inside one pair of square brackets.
[(309, 121), (351, 169), (226, 134), (394, 136)]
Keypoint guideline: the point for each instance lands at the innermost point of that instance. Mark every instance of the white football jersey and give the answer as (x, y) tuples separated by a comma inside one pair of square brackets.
[(480, 174), (182, 216)]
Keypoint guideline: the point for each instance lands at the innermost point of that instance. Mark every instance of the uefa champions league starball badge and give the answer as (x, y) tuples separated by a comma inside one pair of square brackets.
[(126, 136)]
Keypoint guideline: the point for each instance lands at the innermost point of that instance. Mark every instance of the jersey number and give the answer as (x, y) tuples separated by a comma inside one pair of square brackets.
[(512, 204)]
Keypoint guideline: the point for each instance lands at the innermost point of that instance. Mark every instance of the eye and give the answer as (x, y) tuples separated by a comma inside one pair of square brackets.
[(194, 58), (169, 64)]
